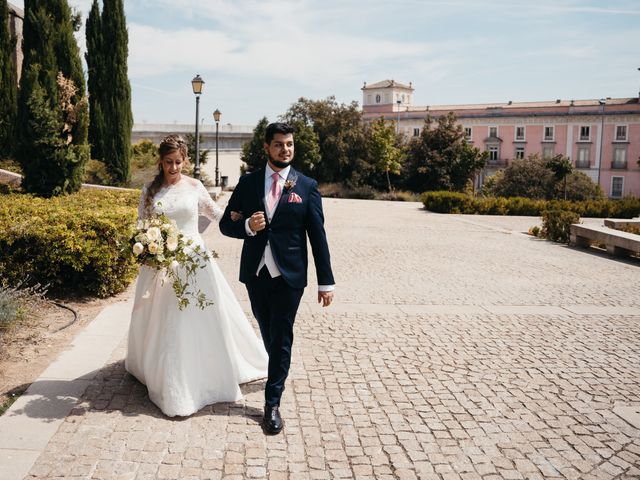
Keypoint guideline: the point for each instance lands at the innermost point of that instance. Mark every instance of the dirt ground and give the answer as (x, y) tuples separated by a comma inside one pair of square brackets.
[(30, 347)]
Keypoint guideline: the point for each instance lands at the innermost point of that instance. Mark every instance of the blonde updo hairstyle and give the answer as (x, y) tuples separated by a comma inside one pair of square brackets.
[(169, 144)]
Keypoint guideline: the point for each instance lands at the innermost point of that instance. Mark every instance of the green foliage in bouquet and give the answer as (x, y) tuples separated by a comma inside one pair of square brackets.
[(157, 243)]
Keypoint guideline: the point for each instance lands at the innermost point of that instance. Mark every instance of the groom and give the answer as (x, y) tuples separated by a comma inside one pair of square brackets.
[(283, 208)]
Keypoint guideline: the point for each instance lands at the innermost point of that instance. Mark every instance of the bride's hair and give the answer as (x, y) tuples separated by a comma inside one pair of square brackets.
[(169, 144)]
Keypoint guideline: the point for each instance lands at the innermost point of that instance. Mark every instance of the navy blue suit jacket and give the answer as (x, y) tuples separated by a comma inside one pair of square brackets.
[(287, 232)]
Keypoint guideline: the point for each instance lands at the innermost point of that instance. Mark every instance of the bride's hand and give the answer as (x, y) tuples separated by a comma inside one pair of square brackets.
[(235, 216)]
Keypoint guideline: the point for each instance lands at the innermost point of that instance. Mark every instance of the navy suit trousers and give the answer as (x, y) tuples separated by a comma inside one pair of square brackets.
[(275, 305)]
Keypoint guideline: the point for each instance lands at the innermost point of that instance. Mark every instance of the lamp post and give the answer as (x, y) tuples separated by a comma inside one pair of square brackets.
[(197, 84), (398, 121), (602, 102), (216, 117)]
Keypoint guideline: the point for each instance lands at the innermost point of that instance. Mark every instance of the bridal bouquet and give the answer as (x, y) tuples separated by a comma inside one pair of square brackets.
[(158, 243)]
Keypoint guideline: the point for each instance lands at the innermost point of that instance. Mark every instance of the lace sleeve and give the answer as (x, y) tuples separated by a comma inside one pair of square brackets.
[(206, 206), (143, 194)]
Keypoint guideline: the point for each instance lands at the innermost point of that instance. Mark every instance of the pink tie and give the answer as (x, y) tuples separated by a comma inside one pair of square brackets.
[(274, 193)]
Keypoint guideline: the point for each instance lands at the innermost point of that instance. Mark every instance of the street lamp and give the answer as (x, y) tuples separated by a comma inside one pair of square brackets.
[(216, 117), (398, 122), (197, 84), (602, 102)]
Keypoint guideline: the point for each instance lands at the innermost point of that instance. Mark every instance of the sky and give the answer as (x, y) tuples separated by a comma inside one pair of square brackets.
[(258, 57)]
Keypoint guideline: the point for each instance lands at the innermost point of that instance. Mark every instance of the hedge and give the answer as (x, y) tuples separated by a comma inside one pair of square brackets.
[(454, 202), (73, 243)]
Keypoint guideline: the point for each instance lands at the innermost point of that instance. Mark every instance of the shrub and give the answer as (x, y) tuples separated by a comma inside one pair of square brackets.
[(95, 173), (556, 224), (453, 202), (16, 303), (70, 243), (447, 202), (398, 196)]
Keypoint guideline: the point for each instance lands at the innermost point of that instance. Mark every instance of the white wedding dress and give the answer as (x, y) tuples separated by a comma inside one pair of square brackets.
[(190, 358)]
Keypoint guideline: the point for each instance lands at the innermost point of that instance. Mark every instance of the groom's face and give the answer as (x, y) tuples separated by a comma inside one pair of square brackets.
[(280, 150)]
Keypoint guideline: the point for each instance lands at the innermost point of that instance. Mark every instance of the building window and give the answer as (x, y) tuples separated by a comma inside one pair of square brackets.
[(493, 132), (617, 186), (548, 134), (467, 134), (520, 152), (583, 158), (378, 98), (619, 158), (621, 133), (493, 153), (519, 133), (548, 151), (585, 133), (416, 132)]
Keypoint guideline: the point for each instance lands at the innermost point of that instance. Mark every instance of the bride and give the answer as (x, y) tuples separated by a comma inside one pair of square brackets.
[(188, 358)]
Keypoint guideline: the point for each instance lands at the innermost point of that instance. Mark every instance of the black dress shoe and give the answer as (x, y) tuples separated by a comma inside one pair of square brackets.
[(272, 422)]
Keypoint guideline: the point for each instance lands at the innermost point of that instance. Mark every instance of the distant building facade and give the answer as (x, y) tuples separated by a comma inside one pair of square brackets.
[(16, 19), (231, 138), (601, 137)]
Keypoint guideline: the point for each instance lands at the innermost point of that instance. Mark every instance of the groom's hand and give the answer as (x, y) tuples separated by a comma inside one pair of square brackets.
[(257, 222), (325, 298)]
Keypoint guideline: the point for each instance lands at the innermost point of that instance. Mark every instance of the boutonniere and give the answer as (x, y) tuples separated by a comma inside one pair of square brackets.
[(290, 183)]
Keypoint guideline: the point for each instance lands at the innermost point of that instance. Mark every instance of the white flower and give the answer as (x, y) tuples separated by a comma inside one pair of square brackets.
[(154, 234), (172, 243), (174, 265), (138, 248), (153, 248)]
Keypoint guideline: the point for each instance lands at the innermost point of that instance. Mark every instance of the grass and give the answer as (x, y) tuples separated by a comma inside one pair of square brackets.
[(15, 305), (12, 396)]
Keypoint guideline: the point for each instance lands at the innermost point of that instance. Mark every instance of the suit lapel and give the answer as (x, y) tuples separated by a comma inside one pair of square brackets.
[(260, 189)]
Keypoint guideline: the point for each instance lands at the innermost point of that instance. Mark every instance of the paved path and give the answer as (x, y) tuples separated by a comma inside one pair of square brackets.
[(458, 348)]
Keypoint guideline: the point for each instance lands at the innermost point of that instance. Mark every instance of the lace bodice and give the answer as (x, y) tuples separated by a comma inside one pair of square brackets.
[(183, 202)]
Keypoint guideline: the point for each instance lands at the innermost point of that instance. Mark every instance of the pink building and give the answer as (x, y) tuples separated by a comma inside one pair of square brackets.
[(601, 137)]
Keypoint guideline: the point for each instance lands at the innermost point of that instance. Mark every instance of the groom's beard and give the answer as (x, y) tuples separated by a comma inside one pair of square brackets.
[(280, 163)]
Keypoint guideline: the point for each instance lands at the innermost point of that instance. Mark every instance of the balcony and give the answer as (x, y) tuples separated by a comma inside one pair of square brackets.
[(619, 165), (583, 164)]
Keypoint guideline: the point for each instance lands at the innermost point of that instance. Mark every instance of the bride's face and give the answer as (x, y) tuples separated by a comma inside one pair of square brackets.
[(172, 164)]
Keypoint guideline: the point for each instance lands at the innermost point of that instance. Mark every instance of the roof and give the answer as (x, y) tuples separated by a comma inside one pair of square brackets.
[(387, 84), (18, 12)]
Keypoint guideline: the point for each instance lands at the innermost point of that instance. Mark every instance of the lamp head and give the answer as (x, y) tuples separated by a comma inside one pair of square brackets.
[(197, 84)]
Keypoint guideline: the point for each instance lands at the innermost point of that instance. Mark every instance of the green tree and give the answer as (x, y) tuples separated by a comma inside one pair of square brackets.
[(307, 151), (561, 167), (440, 158), (52, 107), (8, 83), (253, 154), (191, 145), (95, 76), (341, 138), (383, 149), (532, 177), (116, 106)]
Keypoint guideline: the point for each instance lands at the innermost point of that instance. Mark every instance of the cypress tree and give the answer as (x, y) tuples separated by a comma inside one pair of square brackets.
[(8, 82), (95, 67), (52, 109), (116, 106)]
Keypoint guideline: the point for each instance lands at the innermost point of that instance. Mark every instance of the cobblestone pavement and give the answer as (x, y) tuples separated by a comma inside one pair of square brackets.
[(457, 348)]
